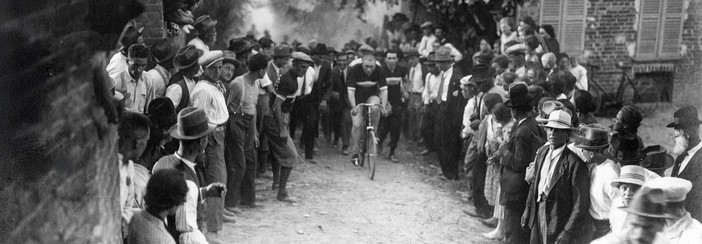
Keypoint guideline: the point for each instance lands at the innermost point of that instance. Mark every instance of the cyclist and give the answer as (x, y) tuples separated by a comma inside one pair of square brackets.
[(366, 84)]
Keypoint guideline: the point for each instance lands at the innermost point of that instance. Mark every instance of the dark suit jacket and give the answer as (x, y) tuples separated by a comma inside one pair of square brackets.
[(519, 152), (338, 84), (693, 173), (457, 103), (567, 201), (322, 86)]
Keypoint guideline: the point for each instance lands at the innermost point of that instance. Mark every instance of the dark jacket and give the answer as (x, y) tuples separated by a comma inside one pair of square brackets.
[(455, 103), (178, 80), (519, 152), (321, 87), (693, 173), (338, 85), (567, 201)]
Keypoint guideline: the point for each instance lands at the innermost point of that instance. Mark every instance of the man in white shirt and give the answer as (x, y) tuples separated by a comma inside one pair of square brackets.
[(162, 52), (425, 45), (118, 62), (136, 85), (192, 131), (688, 164), (182, 83), (580, 73), (205, 32), (208, 95), (683, 228), (133, 131), (430, 107), (414, 88), (593, 141)]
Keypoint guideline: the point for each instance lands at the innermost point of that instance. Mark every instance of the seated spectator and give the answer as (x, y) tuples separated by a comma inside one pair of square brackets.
[(165, 192)]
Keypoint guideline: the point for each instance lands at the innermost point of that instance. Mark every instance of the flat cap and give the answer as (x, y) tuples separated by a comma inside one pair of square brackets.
[(301, 56)]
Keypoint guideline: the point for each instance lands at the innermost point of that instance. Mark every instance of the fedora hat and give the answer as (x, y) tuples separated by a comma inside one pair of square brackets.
[(163, 50), (624, 149), (592, 137), (648, 203), (631, 174), (481, 73), (656, 159), (412, 52), (240, 45), (547, 107), (210, 58), (187, 56), (192, 124), (443, 54), (320, 49), (162, 112), (685, 117), (203, 24), (559, 119), (283, 51), (519, 95)]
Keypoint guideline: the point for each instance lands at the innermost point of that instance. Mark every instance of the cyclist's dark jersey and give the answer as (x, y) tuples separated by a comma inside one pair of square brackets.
[(365, 85)]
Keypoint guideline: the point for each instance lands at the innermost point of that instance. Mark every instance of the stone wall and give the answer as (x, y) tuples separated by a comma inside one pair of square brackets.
[(152, 21), (58, 148)]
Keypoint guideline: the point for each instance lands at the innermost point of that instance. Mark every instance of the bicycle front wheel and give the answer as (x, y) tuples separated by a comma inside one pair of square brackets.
[(370, 154), (643, 94)]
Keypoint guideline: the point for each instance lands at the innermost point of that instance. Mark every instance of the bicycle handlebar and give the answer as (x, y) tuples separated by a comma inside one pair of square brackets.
[(368, 105)]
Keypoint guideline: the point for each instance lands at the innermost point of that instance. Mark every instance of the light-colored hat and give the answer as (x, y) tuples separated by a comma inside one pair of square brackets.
[(547, 108), (559, 119), (192, 124), (210, 58), (442, 55), (301, 56), (366, 48), (674, 188), (426, 24), (632, 174)]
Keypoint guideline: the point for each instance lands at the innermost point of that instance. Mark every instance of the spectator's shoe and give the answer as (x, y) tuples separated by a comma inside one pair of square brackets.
[(494, 235), (284, 197), (475, 214), (345, 150), (393, 158), (231, 211), (251, 205), (213, 237), (227, 219), (425, 152), (491, 222), (355, 160)]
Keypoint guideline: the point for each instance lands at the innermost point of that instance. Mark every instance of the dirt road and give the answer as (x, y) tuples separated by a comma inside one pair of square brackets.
[(339, 204)]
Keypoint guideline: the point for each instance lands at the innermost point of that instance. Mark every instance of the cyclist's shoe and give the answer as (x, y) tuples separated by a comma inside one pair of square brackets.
[(354, 160), (393, 158)]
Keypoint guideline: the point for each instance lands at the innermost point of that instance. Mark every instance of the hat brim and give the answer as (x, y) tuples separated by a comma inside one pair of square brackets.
[(558, 126), (616, 182), (615, 159), (677, 125), (511, 103), (183, 66), (442, 60), (175, 133), (669, 162), (650, 215), (168, 57), (589, 147)]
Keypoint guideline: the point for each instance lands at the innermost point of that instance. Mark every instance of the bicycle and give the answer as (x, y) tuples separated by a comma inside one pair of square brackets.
[(368, 140), (642, 93)]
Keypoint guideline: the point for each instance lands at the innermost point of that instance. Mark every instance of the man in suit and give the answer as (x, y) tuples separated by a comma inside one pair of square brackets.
[(451, 103), (688, 165), (338, 101), (559, 198), (519, 152)]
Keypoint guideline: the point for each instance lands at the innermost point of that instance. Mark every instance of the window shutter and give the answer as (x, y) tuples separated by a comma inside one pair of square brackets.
[(573, 32), (671, 29), (551, 15), (649, 13)]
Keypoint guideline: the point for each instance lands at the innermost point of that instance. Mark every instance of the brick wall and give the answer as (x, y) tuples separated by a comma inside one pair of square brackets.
[(58, 149), (152, 21), (688, 78)]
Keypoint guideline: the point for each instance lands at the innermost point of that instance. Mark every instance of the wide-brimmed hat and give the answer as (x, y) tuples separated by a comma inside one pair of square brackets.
[(685, 117), (320, 49), (230, 57), (187, 56), (443, 54), (210, 58), (412, 52), (560, 119), (162, 112), (624, 149), (675, 189), (656, 159), (592, 137), (192, 124), (518, 95), (203, 24), (163, 50), (302, 56), (547, 107), (481, 73), (282, 51), (648, 203), (240, 45), (427, 24), (631, 174)]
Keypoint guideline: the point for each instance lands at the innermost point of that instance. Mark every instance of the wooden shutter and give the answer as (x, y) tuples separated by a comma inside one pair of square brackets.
[(671, 29), (572, 36), (551, 15), (649, 16)]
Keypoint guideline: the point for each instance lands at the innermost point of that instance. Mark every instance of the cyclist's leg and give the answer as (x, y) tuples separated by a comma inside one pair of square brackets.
[(375, 111), (356, 130)]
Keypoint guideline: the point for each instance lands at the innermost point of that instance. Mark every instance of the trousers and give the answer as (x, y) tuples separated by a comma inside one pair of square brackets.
[(414, 116), (307, 111), (241, 160), (428, 126), (215, 171), (392, 124)]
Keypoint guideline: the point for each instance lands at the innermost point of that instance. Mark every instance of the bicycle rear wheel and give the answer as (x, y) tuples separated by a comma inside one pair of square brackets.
[(642, 93), (371, 146)]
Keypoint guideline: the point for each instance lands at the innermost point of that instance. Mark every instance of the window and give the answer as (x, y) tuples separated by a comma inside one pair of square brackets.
[(660, 29), (568, 20)]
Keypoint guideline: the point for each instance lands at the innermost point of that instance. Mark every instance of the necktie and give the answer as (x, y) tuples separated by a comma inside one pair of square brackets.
[(304, 85), (441, 89), (678, 162)]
